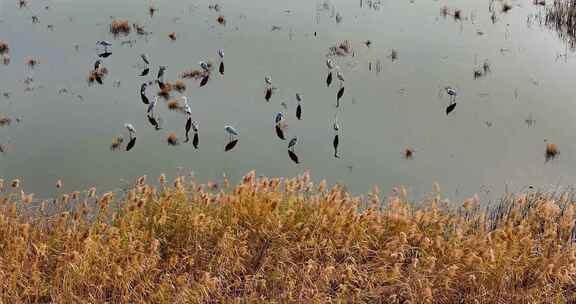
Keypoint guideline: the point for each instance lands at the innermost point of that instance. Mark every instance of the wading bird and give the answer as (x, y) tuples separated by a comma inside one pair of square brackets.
[(232, 133), (152, 105), (130, 128), (160, 76), (291, 153), (452, 93), (105, 44)]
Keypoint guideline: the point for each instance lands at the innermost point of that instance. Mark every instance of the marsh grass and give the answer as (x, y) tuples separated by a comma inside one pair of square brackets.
[(284, 241), (120, 27), (561, 16)]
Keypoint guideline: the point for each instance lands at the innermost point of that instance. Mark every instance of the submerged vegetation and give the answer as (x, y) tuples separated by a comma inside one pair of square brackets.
[(283, 240)]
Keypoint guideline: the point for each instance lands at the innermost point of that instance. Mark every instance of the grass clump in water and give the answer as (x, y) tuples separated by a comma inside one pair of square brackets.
[(120, 27), (283, 240)]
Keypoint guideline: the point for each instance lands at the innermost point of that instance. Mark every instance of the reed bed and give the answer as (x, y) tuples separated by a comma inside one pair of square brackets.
[(561, 16), (283, 241)]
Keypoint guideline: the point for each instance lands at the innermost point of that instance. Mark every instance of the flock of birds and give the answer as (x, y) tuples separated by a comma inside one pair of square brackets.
[(231, 132)]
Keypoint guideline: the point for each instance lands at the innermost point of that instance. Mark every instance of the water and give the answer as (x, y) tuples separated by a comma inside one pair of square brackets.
[(65, 137)]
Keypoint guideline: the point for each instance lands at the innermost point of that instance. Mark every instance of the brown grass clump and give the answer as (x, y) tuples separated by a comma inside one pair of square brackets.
[(172, 36), (166, 90), (221, 20), (172, 139), (551, 151), (408, 153), (4, 48), (179, 86), (5, 121), (97, 73), (458, 14), (174, 105), (31, 62), (119, 26), (116, 143), (194, 74), (285, 241)]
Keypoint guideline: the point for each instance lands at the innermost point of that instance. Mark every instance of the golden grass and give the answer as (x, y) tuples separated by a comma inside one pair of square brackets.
[(283, 241), (120, 26)]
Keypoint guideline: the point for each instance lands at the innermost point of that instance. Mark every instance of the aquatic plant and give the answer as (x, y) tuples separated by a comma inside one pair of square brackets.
[(477, 73), (561, 16), (408, 153), (139, 29), (5, 121), (343, 48), (194, 74), (221, 20), (174, 105), (458, 14), (6, 59), (4, 48), (286, 241), (116, 143), (172, 139), (97, 75), (179, 86), (393, 55), (551, 151), (120, 26), (165, 90), (31, 62), (151, 10)]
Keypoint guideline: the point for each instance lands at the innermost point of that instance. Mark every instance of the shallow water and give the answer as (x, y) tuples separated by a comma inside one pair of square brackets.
[(66, 137)]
